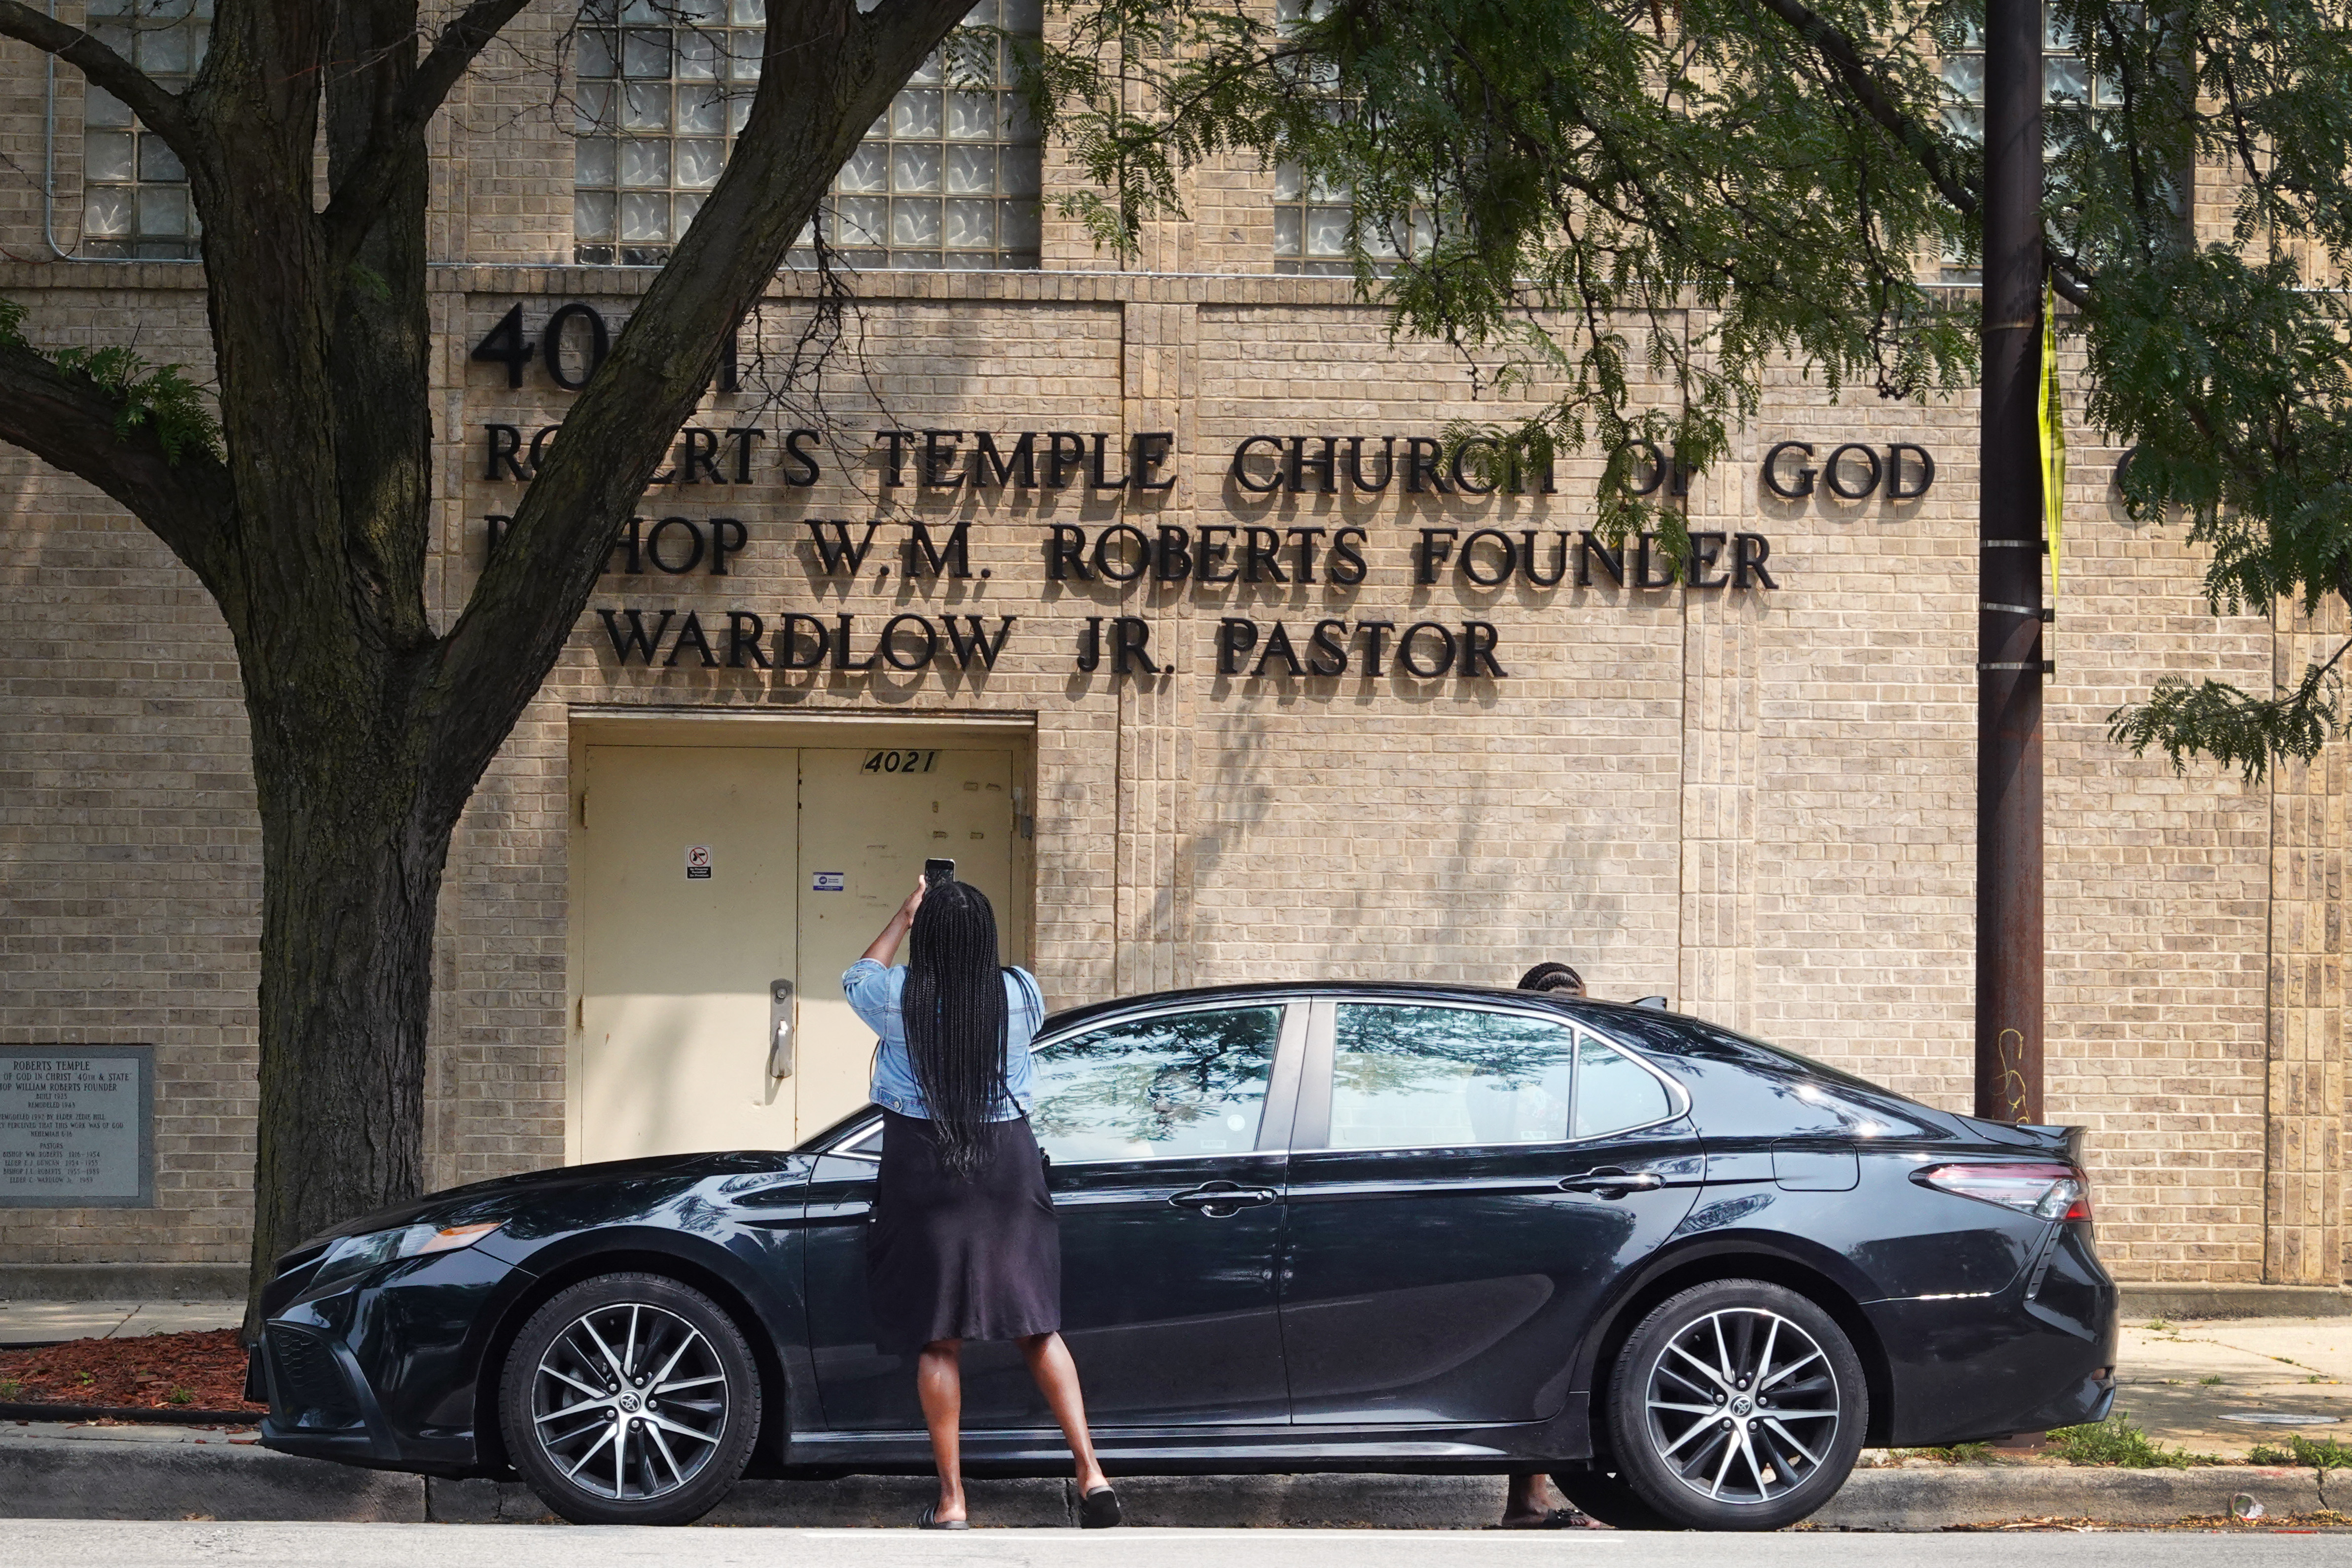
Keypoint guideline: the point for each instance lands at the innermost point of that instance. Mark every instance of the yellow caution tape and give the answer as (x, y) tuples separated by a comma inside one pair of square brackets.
[(2053, 432)]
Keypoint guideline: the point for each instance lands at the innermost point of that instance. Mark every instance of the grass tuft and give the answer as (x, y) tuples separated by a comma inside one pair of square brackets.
[(2116, 1441), (2320, 1455), (1957, 1454)]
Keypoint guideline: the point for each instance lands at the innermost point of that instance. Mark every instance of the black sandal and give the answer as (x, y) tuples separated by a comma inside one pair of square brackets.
[(1554, 1519), (1099, 1510), (929, 1520)]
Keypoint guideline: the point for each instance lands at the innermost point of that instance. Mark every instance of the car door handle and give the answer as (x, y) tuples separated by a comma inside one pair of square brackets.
[(1611, 1181), (1219, 1200)]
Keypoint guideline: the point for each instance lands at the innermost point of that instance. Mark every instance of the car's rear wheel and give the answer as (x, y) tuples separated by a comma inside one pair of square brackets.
[(1737, 1405), (630, 1399)]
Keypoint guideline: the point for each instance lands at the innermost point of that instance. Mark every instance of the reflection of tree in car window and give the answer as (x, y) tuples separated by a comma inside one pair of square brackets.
[(1408, 1077), (1186, 1084)]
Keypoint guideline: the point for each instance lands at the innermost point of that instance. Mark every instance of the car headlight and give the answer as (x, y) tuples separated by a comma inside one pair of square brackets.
[(356, 1254)]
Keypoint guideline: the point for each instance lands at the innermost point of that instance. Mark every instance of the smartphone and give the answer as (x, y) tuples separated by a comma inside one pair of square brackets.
[(937, 872)]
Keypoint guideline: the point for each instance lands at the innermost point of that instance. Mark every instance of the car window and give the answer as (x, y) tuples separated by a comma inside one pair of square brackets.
[(1406, 1076), (1177, 1083), (1613, 1092)]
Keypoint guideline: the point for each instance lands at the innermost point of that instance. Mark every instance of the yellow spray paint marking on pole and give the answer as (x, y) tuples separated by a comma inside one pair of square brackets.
[(2054, 432)]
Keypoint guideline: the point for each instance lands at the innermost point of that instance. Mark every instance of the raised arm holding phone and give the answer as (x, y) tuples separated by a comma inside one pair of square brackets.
[(964, 1243)]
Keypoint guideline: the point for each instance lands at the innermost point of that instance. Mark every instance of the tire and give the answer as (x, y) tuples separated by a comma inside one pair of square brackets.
[(1751, 1430), (630, 1399)]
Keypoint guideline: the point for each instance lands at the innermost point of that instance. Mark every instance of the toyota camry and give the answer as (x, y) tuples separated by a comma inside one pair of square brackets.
[(1304, 1227)]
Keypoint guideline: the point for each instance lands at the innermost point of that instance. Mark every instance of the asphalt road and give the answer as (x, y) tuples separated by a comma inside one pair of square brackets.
[(41, 1543)]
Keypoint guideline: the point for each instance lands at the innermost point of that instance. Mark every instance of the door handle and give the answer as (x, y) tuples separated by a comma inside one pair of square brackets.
[(1222, 1201), (1613, 1182), (780, 1029)]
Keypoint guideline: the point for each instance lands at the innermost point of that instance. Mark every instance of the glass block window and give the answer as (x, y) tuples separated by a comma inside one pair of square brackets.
[(1311, 227), (664, 86), (136, 203), (1311, 216), (948, 177), (2066, 80)]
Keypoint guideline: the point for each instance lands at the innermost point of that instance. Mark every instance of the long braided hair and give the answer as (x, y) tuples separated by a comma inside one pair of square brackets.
[(955, 1016)]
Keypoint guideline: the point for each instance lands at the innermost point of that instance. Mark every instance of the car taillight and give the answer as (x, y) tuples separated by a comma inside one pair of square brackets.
[(2051, 1191)]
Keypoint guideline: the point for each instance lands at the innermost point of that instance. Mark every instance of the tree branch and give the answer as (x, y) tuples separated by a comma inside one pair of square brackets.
[(68, 421), (160, 111), (358, 195), (825, 77), (1844, 58)]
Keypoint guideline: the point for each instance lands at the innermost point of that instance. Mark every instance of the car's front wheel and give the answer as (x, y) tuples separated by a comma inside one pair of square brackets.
[(630, 1399), (1737, 1405)]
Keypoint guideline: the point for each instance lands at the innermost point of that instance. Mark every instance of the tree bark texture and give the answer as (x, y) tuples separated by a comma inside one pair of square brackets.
[(312, 527)]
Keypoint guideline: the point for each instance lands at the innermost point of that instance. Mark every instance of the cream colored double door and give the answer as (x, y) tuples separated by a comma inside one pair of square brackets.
[(722, 892)]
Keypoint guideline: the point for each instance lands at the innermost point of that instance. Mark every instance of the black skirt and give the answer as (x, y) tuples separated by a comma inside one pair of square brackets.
[(961, 1260)]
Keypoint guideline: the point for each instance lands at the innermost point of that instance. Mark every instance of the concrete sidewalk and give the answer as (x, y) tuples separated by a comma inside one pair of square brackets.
[(2182, 1382), (43, 1322)]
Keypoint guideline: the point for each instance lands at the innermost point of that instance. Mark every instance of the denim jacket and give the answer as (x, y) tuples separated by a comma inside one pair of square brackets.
[(874, 993)]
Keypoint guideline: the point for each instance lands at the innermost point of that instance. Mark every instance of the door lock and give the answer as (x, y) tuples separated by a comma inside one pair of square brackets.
[(780, 1029)]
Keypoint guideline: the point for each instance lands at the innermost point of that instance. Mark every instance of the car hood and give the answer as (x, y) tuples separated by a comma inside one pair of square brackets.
[(502, 1196)]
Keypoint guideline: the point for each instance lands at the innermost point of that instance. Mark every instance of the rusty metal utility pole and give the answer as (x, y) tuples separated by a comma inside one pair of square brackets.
[(2009, 659)]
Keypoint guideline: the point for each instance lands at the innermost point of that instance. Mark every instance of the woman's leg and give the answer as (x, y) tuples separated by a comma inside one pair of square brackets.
[(1529, 1498), (939, 1383), (1057, 1380)]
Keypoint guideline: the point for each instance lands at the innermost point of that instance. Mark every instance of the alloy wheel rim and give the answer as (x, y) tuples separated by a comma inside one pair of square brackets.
[(1742, 1406), (630, 1402)]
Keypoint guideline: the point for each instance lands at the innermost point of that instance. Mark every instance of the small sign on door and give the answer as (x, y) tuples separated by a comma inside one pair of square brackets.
[(698, 862), (828, 881)]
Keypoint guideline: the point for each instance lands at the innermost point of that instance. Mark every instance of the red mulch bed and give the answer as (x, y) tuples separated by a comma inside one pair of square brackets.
[(203, 1371)]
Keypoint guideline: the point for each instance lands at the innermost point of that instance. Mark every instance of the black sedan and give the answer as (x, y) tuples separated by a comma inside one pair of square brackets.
[(1304, 1227)]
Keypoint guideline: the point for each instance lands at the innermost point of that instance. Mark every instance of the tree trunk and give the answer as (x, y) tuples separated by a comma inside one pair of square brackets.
[(312, 529), (349, 889)]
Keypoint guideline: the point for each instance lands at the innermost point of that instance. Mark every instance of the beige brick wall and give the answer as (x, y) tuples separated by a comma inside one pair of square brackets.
[(1760, 805), (129, 853)]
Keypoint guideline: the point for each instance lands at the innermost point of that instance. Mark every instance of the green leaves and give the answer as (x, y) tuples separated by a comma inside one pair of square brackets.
[(141, 393), (2216, 720), (1634, 217), (144, 395), (1624, 215)]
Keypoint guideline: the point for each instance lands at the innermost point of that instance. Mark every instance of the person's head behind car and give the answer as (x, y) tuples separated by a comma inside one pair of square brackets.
[(1552, 977)]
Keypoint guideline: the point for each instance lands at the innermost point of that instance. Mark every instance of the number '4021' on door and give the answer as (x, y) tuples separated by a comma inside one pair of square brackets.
[(900, 761)]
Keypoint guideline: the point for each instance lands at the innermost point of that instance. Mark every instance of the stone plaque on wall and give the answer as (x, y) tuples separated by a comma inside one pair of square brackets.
[(77, 1126)]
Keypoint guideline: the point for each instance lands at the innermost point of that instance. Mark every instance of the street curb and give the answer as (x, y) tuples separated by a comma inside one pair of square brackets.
[(1942, 1496), (64, 1478), (91, 1474), (163, 1416)]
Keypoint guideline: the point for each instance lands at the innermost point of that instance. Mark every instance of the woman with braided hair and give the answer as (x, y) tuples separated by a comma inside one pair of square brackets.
[(964, 1244)]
